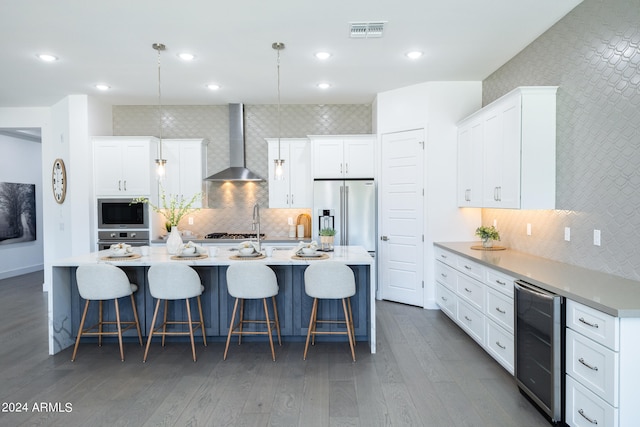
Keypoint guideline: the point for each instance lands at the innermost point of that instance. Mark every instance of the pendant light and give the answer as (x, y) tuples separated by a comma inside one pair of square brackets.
[(160, 162), (279, 162)]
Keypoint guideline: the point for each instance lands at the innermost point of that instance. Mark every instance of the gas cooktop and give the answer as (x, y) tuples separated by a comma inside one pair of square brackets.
[(233, 236)]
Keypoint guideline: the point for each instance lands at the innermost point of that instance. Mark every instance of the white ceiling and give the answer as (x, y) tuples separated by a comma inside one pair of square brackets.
[(110, 42)]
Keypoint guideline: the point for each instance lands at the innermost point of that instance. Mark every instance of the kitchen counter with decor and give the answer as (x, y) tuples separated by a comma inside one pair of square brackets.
[(610, 294), (294, 306)]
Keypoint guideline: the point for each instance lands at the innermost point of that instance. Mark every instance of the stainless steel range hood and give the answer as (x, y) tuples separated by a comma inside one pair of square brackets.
[(237, 170)]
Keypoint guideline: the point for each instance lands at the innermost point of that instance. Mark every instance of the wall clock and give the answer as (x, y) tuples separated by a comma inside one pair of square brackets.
[(59, 181)]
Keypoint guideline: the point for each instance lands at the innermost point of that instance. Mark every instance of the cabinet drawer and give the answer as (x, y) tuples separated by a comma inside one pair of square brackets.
[(500, 309), (593, 365), (500, 345), (500, 282), (470, 268), (446, 275), (600, 327), (445, 256), (471, 320), (471, 290), (585, 409), (446, 300)]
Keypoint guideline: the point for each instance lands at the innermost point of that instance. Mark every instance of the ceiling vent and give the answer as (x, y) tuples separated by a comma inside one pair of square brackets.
[(366, 30)]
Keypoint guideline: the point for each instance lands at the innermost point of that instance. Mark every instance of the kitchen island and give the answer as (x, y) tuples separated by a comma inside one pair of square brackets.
[(294, 306)]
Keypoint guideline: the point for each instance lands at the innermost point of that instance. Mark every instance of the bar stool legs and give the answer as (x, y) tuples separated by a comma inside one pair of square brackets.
[(237, 328), (313, 321)]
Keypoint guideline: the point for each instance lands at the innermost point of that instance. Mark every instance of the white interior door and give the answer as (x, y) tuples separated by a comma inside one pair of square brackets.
[(402, 206)]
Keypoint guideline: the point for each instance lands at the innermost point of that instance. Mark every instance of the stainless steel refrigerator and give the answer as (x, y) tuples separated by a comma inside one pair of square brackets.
[(349, 206)]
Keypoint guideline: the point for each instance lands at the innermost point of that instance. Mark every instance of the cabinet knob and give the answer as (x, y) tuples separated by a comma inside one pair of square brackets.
[(384, 238)]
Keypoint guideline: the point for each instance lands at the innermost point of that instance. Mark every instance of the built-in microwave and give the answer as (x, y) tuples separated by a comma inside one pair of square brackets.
[(122, 213)]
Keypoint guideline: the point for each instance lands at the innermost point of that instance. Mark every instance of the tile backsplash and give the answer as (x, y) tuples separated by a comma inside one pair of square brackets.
[(230, 204), (593, 55)]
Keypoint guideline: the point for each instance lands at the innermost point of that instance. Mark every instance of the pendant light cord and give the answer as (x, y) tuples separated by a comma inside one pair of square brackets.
[(160, 47), (279, 118)]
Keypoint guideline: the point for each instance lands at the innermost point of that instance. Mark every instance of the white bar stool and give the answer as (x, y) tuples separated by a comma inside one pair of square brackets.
[(173, 281), (330, 280), (248, 280), (100, 282)]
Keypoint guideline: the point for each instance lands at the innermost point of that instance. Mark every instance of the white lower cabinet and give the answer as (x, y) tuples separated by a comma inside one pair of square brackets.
[(500, 345), (593, 371), (583, 408), (479, 300), (447, 300), (471, 320)]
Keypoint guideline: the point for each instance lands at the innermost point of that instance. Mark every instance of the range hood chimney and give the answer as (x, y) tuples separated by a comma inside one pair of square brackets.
[(237, 170)]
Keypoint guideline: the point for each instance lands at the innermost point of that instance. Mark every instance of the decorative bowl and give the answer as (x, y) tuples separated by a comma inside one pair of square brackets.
[(309, 251), (246, 251), (189, 250)]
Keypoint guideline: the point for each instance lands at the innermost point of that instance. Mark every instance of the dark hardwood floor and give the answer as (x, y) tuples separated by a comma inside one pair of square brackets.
[(427, 372)]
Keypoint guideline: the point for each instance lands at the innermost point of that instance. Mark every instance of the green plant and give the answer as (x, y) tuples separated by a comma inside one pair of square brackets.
[(327, 232), (172, 207), (487, 233)]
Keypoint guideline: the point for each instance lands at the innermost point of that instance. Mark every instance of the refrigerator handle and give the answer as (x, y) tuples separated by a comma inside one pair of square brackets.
[(346, 215)]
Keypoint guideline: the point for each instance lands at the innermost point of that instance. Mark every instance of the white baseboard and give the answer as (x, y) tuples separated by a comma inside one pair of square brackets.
[(21, 271)]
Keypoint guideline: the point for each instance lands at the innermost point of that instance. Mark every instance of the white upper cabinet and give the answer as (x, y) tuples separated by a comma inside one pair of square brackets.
[(343, 156), (469, 168), (123, 166), (512, 141), (186, 168), (295, 190)]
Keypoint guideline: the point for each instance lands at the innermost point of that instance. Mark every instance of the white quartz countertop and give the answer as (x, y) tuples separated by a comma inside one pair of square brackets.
[(352, 255), (611, 294)]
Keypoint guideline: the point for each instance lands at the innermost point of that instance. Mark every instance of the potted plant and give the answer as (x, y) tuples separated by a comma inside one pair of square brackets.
[(487, 235), (326, 238), (173, 208)]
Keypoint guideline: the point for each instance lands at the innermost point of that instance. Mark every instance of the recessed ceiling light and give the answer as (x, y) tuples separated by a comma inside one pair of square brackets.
[(102, 86), (47, 57), (414, 54), (185, 56), (213, 86), (323, 55), (324, 85)]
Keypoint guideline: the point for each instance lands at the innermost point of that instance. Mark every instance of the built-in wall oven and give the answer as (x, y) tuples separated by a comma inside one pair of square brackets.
[(121, 221), (539, 331)]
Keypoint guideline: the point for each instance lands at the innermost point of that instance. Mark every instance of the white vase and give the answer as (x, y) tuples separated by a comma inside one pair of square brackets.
[(174, 241), (487, 242)]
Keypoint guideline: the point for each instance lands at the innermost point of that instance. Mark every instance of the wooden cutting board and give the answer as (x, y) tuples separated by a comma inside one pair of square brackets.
[(305, 220)]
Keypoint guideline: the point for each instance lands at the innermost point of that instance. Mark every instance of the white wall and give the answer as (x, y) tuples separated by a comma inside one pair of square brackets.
[(21, 163), (435, 107), (31, 118)]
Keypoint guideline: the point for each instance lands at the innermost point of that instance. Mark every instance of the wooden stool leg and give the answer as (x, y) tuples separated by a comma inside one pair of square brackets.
[(312, 320), (193, 344), (241, 323), (346, 319), (135, 316), (233, 318), (100, 323), (275, 314), (266, 315), (204, 334), (153, 324), (84, 316), (115, 301), (164, 323), (353, 331)]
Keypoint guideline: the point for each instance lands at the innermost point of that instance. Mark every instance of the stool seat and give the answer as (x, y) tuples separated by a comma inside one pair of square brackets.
[(102, 282), (252, 281), (330, 280), (169, 282)]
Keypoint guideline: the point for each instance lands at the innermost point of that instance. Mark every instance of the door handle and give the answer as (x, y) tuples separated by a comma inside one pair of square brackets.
[(384, 238)]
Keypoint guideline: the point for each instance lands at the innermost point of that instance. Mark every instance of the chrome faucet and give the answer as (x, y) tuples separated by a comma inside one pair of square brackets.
[(256, 224)]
